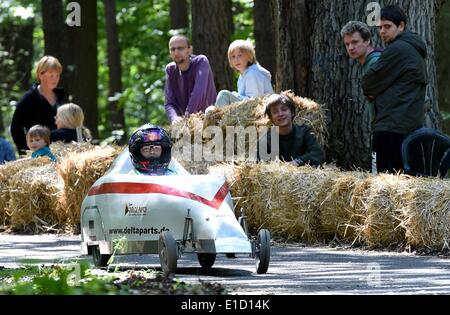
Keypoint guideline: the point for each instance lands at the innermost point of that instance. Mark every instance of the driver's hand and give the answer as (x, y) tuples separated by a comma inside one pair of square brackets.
[(294, 163)]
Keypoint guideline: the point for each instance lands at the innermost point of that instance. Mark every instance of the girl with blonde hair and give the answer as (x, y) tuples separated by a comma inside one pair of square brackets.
[(254, 80), (69, 121)]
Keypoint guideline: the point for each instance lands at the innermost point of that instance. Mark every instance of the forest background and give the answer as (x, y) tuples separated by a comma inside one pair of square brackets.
[(114, 61)]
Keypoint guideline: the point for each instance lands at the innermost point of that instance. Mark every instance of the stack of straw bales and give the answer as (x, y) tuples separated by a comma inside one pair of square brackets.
[(7, 183), (312, 205), (37, 194)]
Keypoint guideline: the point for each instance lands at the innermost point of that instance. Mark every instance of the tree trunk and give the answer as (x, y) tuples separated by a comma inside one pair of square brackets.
[(211, 35), (294, 32), (179, 14), (264, 29), (443, 72), (116, 112), (335, 81), (83, 40), (332, 78), (55, 36), (52, 22)]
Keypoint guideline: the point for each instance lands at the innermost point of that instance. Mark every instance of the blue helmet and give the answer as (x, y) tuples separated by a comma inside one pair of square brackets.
[(150, 135)]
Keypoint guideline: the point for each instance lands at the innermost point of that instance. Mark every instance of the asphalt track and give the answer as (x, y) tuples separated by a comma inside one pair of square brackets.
[(293, 269)]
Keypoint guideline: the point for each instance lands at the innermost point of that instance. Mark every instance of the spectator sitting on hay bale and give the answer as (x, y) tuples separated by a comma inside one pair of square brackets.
[(297, 143), (254, 80), (38, 140)]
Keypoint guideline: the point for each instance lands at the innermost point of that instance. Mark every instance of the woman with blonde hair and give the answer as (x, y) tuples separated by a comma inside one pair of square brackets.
[(69, 121), (254, 80), (38, 106)]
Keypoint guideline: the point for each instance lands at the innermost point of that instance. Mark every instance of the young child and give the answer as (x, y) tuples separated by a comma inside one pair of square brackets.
[(254, 80), (38, 140), (150, 151), (297, 143), (69, 123)]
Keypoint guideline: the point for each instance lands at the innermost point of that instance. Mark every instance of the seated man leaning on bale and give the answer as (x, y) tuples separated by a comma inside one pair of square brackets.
[(297, 144)]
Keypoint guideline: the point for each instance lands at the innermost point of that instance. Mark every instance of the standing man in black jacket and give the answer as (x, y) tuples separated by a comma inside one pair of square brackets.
[(397, 83)]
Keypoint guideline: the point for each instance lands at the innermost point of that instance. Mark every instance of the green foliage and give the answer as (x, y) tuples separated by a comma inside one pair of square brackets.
[(143, 35), (144, 31), (243, 19), (77, 279), (13, 15), (55, 280)]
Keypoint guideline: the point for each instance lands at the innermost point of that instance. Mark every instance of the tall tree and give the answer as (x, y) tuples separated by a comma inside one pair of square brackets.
[(211, 35), (83, 41), (52, 22), (179, 14), (331, 77), (264, 30), (55, 36), (443, 71), (116, 112)]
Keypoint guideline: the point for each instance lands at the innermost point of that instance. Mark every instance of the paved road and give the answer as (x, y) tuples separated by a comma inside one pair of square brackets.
[(293, 269)]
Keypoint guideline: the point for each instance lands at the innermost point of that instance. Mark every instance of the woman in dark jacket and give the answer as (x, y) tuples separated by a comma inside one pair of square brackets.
[(38, 106)]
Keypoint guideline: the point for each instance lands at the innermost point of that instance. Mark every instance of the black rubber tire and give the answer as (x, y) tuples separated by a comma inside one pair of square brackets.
[(168, 253), (99, 259), (262, 251), (206, 260)]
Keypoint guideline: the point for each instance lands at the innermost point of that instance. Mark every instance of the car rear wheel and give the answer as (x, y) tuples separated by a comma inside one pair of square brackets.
[(206, 260), (262, 251), (167, 249), (99, 259)]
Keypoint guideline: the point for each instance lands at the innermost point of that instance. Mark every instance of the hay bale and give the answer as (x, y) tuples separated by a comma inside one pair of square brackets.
[(383, 203), (7, 172), (249, 113), (34, 198), (339, 216), (426, 215), (196, 168), (283, 198), (79, 171), (61, 150)]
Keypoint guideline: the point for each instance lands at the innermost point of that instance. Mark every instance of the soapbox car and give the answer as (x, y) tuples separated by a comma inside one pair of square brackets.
[(126, 213)]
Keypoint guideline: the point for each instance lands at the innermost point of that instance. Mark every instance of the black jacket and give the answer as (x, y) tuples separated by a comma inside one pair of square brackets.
[(300, 145), (33, 109), (64, 134), (398, 82)]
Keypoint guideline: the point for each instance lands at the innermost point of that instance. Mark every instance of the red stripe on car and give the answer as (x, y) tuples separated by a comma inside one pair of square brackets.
[(143, 188)]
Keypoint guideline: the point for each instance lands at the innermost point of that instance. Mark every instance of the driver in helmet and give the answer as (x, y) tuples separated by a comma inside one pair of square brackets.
[(150, 150)]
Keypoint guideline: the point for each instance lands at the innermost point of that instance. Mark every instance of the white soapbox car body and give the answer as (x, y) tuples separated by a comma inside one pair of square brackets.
[(125, 213)]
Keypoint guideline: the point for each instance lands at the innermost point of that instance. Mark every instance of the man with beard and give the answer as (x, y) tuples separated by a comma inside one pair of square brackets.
[(189, 81)]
